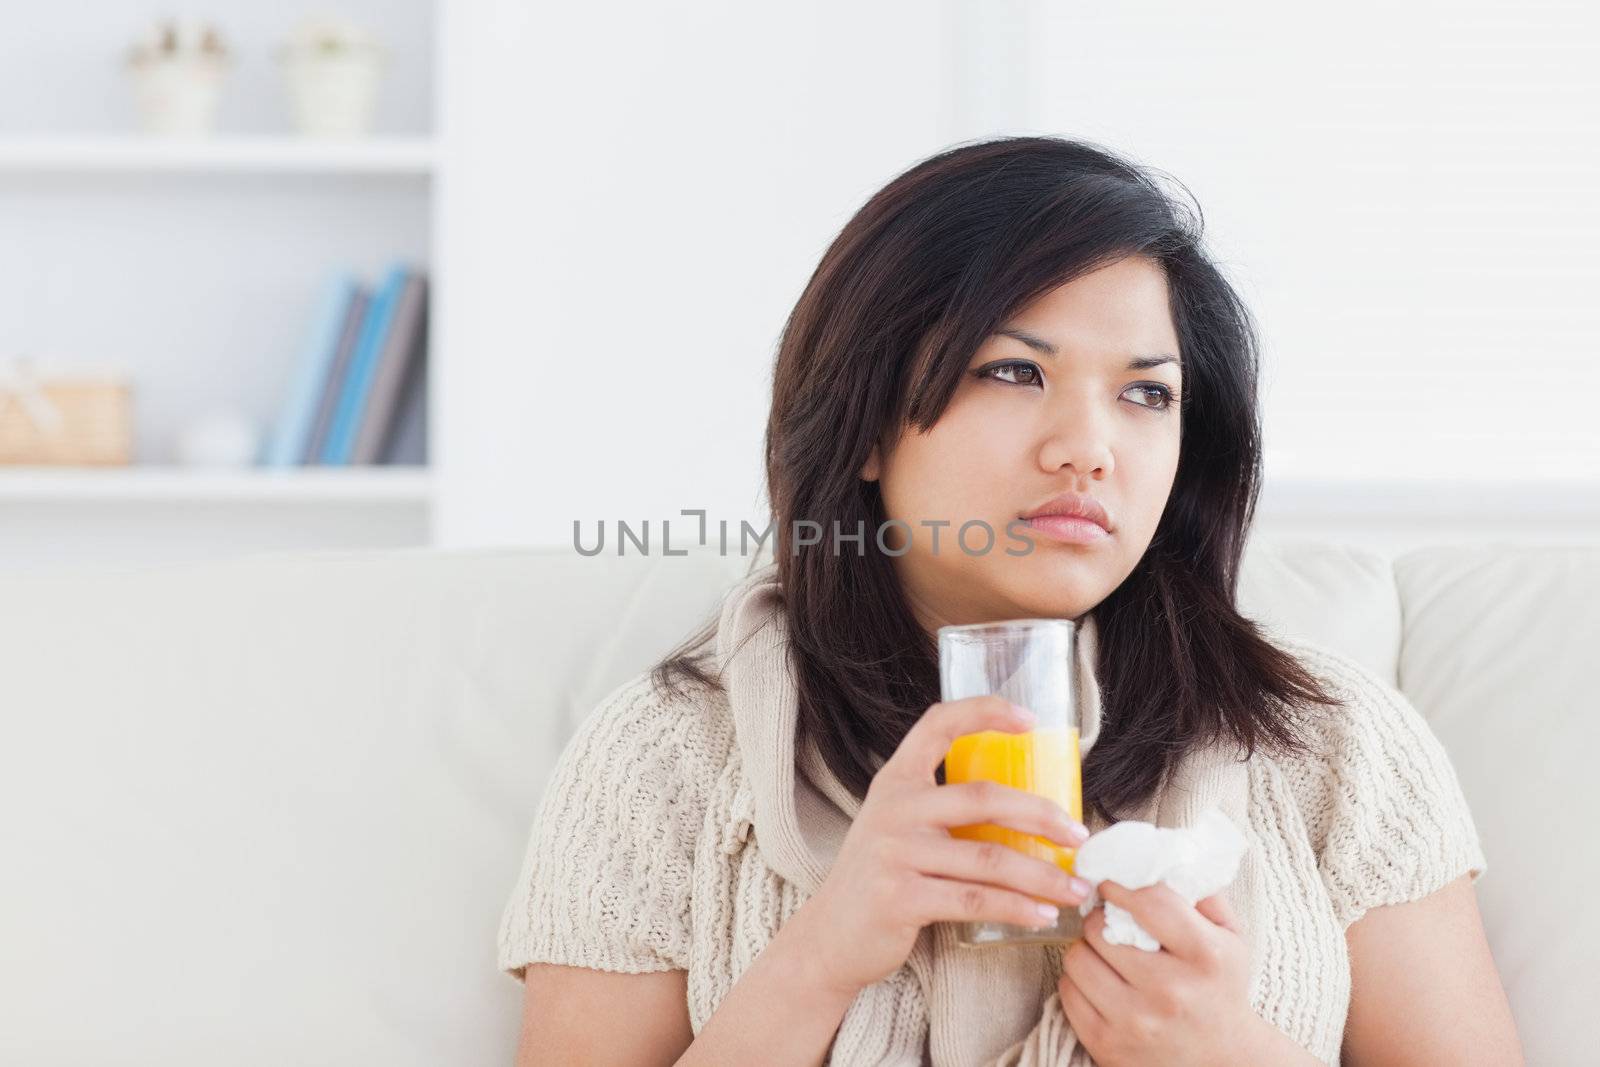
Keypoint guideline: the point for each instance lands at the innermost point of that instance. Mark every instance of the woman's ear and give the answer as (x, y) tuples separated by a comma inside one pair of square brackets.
[(869, 469)]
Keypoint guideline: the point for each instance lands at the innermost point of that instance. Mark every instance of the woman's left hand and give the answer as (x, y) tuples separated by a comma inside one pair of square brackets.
[(1188, 1003)]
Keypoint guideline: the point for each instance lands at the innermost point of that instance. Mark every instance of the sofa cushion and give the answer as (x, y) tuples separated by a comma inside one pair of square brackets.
[(1499, 652), (1340, 596)]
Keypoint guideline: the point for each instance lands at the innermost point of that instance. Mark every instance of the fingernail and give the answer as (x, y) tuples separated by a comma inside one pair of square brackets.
[(1077, 832), (1023, 713), (1079, 886), (1048, 912)]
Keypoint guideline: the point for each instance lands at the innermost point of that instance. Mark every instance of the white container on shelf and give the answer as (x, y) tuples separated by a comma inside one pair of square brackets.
[(333, 95), (178, 96), (332, 68), (221, 437), (177, 66)]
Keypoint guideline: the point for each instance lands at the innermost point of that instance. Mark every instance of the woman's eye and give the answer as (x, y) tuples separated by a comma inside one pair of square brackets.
[(1024, 373), (1162, 392)]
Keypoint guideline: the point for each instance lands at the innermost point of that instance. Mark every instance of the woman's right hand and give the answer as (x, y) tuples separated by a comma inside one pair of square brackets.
[(899, 868)]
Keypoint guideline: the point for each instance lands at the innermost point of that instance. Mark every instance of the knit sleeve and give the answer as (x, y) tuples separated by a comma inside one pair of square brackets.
[(1387, 816), (606, 876)]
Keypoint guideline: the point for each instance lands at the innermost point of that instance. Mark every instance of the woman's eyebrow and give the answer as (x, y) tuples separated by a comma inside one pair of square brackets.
[(1039, 344)]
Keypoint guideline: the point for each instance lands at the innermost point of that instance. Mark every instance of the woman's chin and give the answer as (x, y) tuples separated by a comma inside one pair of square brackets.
[(1060, 589)]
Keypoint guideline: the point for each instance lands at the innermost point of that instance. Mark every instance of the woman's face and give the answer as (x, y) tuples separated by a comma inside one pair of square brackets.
[(1025, 426)]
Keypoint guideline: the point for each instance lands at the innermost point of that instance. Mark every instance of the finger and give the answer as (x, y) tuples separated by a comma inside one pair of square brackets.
[(996, 864), (1133, 965), (1161, 913), (924, 746), (936, 899), (1218, 910), (974, 803), (1085, 1018), (1107, 990)]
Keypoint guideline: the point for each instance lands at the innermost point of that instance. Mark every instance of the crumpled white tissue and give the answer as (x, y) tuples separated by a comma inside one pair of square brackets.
[(1195, 861)]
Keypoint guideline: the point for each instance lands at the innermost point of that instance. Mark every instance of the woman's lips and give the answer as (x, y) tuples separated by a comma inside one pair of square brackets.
[(1068, 529)]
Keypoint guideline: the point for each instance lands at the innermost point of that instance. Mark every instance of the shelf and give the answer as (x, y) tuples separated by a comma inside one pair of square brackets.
[(221, 154), (153, 484)]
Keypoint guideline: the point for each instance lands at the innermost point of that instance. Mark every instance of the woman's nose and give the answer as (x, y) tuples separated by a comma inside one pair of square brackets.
[(1080, 439)]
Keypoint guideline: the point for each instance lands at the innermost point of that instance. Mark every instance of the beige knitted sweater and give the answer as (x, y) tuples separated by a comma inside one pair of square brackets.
[(682, 833)]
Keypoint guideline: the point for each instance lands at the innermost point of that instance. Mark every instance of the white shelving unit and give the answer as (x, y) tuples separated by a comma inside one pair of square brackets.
[(192, 265), (223, 154), (157, 485)]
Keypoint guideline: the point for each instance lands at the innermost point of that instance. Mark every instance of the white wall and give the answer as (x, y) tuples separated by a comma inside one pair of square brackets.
[(631, 203), (633, 200), (1406, 194)]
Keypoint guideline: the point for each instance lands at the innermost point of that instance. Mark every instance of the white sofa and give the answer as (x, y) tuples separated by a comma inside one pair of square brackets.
[(268, 810)]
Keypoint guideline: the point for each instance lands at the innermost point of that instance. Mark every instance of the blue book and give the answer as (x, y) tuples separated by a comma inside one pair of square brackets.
[(286, 442), (400, 351), (354, 316), (375, 327)]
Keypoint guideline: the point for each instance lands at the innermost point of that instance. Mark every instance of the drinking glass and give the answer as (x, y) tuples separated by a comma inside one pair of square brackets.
[(1031, 662)]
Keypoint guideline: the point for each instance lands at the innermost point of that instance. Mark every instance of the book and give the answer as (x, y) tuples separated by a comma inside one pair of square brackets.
[(357, 385), (407, 442), (286, 441), (355, 314), (402, 345)]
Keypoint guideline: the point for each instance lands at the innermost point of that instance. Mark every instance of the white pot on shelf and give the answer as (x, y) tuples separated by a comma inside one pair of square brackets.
[(333, 93), (178, 95)]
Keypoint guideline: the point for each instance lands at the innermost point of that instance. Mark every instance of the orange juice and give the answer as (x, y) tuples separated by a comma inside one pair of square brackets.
[(1043, 760)]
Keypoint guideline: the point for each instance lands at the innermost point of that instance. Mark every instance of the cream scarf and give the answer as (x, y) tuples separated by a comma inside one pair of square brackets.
[(988, 1006)]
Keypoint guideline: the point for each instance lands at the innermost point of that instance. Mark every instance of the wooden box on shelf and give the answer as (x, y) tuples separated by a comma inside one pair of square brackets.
[(75, 421)]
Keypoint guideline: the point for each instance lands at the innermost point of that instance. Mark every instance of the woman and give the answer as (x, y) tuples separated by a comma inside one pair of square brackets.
[(743, 856)]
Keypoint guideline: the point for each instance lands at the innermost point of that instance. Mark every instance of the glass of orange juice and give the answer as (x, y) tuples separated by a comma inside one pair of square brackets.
[(1031, 662)]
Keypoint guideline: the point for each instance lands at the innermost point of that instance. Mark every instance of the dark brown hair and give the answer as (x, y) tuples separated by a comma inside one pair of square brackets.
[(877, 343)]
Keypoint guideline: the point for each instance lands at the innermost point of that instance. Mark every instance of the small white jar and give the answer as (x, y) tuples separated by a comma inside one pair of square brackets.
[(178, 95), (333, 92)]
